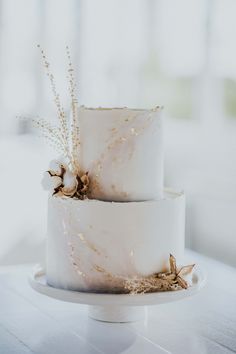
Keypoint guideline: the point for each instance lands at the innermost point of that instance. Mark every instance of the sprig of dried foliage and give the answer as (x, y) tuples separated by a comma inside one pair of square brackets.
[(65, 137)]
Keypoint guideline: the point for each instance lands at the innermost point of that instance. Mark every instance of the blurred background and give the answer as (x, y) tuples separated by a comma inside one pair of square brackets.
[(136, 53)]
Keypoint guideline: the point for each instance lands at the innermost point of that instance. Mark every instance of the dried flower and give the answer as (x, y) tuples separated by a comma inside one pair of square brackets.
[(85, 181), (60, 180), (70, 183), (163, 281), (83, 186)]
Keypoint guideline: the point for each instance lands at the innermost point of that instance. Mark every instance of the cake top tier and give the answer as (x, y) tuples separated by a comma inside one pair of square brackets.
[(122, 149), (113, 154)]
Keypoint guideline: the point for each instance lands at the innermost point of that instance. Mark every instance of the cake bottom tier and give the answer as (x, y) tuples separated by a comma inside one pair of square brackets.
[(94, 245)]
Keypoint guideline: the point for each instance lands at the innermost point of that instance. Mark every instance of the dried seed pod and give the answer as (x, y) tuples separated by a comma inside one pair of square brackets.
[(172, 261), (85, 179), (83, 185), (182, 282), (185, 270)]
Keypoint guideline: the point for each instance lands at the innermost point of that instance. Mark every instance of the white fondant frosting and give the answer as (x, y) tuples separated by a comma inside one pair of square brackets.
[(91, 243), (122, 149)]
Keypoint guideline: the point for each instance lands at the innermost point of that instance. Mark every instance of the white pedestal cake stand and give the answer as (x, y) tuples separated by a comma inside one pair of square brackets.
[(115, 307)]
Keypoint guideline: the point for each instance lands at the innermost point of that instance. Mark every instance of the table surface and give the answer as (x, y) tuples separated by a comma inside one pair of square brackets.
[(34, 323)]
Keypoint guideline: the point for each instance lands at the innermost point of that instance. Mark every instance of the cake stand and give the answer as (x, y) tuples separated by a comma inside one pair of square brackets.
[(115, 307)]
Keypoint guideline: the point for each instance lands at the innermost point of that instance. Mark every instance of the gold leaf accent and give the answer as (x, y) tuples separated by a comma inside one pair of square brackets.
[(99, 269), (172, 262)]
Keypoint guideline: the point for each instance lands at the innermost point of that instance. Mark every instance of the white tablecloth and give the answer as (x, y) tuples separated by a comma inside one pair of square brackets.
[(33, 323)]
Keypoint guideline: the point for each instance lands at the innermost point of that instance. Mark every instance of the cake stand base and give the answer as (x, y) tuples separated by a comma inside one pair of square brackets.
[(115, 307), (117, 313)]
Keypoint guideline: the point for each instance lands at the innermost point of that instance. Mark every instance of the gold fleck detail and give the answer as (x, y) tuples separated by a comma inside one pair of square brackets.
[(88, 243), (99, 269), (134, 131), (81, 236)]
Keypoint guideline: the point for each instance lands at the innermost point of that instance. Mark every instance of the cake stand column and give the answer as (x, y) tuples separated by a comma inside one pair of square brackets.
[(112, 313)]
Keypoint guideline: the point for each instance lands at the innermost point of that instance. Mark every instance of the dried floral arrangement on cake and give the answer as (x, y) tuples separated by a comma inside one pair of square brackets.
[(171, 280), (63, 182), (64, 178)]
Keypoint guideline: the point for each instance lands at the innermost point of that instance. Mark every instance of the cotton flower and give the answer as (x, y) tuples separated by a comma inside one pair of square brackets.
[(57, 168), (60, 180), (70, 184), (51, 182)]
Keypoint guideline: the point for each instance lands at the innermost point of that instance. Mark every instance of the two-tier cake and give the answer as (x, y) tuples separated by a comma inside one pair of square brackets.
[(112, 227), (113, 221)]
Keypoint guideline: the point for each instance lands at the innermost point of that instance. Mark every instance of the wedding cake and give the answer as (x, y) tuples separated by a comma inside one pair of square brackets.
[(128, 224), (112, 227)]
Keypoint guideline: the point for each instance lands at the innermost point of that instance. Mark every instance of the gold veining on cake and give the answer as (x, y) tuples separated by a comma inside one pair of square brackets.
[(99, 269), (121, 137), (89, 244), (107, 274), (75, 260), (171, 279)]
